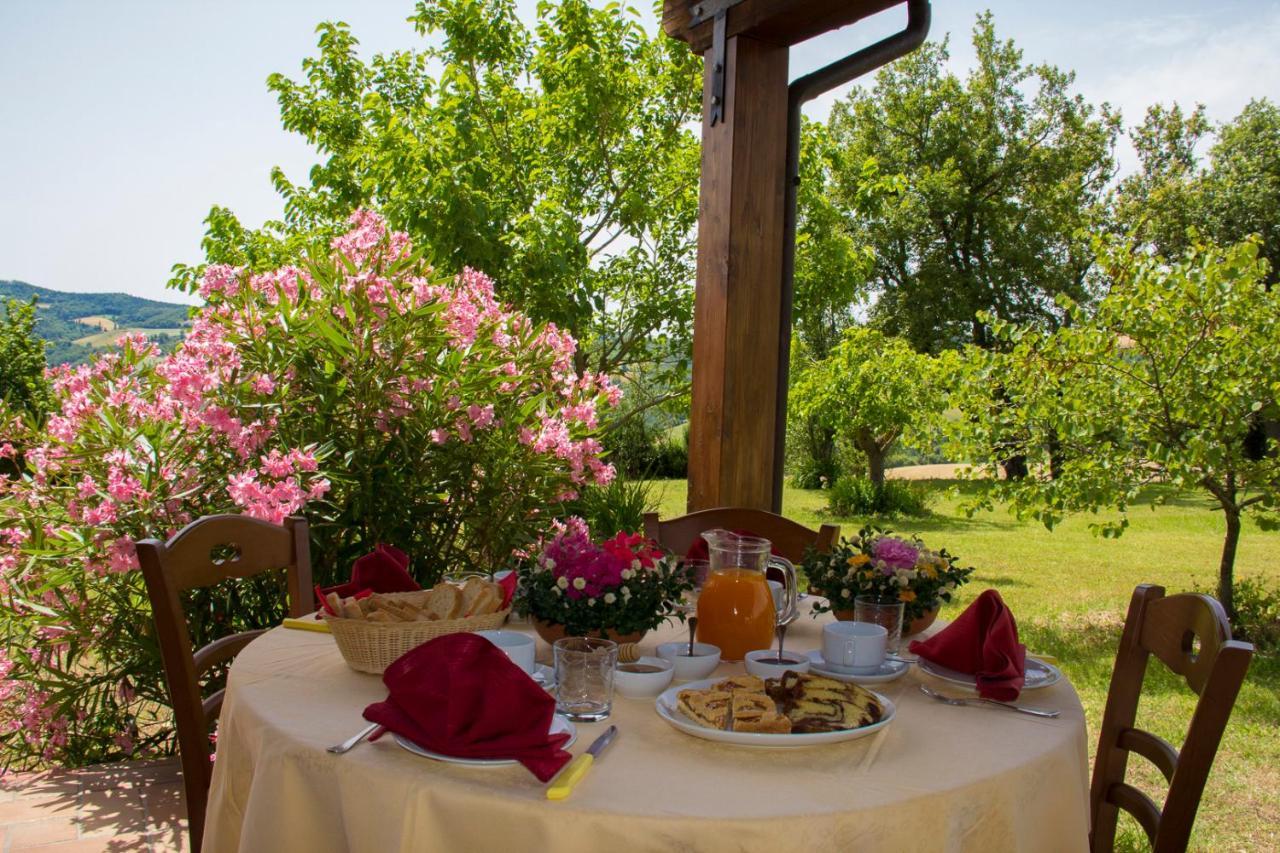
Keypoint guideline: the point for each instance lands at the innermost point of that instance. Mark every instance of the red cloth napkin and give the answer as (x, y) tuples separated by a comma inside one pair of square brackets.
[(385, 569), (982, 642), (461, 695), (508, 584)]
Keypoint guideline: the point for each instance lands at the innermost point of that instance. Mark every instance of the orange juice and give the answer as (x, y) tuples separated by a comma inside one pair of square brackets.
[(735, 612)]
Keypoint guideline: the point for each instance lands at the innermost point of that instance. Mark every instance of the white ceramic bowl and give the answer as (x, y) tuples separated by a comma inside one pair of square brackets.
[(706, 658), (756, 665), (641, 685)]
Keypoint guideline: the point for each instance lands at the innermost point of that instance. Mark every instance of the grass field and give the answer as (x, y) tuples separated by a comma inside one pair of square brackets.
[(1070, 590)]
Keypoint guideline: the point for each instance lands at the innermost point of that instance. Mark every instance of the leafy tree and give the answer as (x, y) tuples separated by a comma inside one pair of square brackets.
[(830, 274), (23, 387), (1162, 383), (1233, 193), (999, 172), (557, 158), (870, 391)]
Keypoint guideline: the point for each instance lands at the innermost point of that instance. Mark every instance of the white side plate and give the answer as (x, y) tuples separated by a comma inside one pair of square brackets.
[(666, 708), (1039, 674), (558, 724)]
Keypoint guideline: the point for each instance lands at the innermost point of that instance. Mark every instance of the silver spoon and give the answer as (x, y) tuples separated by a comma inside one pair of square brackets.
[(782, 638), (349, 744), (955, 700), (693, 630)]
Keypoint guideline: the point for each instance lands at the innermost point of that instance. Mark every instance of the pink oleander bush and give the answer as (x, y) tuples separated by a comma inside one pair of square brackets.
[(385, 403)]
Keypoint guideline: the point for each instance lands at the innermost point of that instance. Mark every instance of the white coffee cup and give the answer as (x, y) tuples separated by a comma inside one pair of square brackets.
[(519, 647), (854, 647)]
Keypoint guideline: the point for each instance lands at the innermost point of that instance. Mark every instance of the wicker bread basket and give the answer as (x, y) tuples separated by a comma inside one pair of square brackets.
[(372, 646)]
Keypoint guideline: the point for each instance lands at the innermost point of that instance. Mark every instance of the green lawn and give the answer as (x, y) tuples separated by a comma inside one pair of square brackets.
[(1070, 590)]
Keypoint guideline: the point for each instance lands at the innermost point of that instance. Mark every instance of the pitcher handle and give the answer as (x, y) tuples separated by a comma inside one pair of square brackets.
[(791, 592)]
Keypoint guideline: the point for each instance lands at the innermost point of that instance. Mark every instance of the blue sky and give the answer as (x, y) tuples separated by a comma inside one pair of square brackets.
[(121, 123)]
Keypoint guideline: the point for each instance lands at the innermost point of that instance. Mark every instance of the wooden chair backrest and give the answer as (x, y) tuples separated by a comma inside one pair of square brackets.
[(790, 538), (1190, 634), (206, 551)]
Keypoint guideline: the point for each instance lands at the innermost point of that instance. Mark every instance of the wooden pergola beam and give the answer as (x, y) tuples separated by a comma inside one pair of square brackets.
[(780, 22)]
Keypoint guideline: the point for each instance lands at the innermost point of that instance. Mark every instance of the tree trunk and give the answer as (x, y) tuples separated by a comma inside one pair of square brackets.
[(1055, 455), (875, 453), (1015, 467), (1226, 568)]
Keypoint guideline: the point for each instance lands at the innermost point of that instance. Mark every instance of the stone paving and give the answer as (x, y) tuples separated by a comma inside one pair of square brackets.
[(118, 807)]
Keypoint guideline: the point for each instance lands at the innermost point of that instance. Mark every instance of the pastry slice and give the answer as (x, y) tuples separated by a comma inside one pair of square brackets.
[(708, 708), (770, 722), (756, 712), (736, 684)]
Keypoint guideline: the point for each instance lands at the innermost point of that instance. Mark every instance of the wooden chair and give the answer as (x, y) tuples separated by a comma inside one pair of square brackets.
[(790, 539), (207, 551), (1190, 634)]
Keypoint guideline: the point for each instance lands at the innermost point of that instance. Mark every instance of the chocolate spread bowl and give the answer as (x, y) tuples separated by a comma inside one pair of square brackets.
[(643, 678), (763, 662)]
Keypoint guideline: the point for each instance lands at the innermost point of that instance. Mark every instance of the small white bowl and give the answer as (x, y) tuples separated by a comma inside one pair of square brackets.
[(756, 664), (706, 658), (640, 685)]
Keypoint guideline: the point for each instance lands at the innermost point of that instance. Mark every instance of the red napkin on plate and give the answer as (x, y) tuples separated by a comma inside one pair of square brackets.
[(982, 642), (385, 569), (460, 695)]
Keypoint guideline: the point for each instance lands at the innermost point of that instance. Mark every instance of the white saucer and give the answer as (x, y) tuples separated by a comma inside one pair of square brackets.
[(890, 670), (558, 724)]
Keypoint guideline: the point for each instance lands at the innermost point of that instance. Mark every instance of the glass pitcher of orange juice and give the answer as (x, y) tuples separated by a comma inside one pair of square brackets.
[(736, 610)]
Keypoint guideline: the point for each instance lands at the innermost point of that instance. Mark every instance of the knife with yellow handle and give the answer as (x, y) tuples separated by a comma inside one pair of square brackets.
[(563, 784)]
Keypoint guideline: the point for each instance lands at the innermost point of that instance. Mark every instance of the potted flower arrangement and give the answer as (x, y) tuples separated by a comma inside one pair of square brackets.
[(618, 589), (876, 563)]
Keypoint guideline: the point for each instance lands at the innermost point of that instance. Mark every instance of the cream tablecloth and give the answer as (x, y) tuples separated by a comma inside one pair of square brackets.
[(941, 778)]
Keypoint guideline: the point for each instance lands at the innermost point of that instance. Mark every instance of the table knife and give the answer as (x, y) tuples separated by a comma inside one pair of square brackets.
[(563, 784)]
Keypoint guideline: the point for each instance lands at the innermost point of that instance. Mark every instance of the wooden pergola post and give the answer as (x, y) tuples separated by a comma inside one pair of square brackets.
[(736, 306), (742, 304)]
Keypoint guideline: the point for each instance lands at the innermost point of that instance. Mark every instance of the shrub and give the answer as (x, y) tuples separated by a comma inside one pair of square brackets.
[(641, 453), (1257, 616), (858, 496), (614, 508), (445, 424)]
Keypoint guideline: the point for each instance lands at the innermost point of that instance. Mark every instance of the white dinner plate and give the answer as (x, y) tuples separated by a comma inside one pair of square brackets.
[(1038, 674), (559, 724), (890, 670), (666, 707)]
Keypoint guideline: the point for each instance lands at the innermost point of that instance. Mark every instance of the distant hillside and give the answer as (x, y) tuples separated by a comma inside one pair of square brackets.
[(77, 325)]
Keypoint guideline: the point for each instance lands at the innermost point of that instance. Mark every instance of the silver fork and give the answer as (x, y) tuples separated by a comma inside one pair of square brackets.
[(956, 700), (349, 744)]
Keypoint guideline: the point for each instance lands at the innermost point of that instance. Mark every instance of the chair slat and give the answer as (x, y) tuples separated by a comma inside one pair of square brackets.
[(1154, 748), (1139, 805), (790, 538), (223, 649)]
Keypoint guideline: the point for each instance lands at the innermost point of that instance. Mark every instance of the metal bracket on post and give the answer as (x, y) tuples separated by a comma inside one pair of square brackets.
[(698, 14)]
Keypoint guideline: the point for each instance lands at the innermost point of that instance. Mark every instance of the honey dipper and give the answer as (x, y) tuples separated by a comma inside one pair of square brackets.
[(628, 652)]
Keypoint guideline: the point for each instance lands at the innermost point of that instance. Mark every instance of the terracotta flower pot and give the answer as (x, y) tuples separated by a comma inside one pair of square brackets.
[(552, 631), (917, 625)]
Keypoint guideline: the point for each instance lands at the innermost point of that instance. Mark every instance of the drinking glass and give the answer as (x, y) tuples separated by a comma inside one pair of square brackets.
[(584, 677), (884, 611)]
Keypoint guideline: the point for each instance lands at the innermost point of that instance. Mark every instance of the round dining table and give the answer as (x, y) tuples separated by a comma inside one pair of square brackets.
[(938, 777)]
